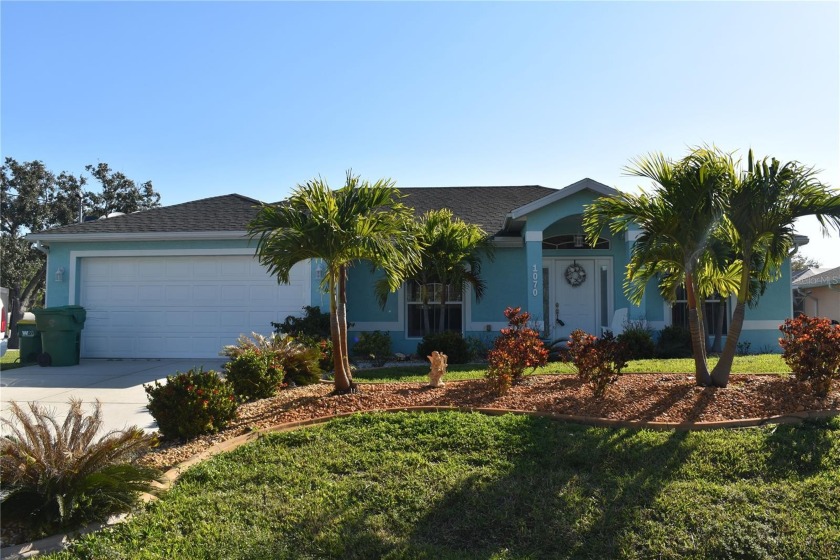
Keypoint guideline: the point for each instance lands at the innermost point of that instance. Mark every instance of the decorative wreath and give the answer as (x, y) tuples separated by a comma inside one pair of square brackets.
[(575, 275)]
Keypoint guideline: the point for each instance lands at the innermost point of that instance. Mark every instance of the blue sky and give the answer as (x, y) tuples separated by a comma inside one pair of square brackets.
[(209, 98)]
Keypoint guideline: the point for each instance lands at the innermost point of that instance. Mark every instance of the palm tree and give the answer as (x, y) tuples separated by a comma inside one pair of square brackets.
[(762, 204), (359, 222), (451, 259), (678, 221)]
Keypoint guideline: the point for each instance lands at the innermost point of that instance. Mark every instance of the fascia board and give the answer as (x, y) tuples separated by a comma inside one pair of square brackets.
[(142, 236)]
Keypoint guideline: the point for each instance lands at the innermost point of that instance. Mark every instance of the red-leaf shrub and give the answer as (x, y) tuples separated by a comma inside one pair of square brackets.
[(812, 350), (516, 349), (599, 361)]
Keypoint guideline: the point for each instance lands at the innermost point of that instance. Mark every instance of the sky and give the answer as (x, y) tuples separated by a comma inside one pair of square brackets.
[(212, 98)]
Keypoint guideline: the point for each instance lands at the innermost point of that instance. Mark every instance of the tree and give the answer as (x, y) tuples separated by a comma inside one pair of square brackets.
[(678, 221), (800, 263), (762, 204), (359, 222), (451, 260), (34, 199)]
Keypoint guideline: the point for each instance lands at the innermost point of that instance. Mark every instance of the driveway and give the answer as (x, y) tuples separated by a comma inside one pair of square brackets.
[(118, 384)]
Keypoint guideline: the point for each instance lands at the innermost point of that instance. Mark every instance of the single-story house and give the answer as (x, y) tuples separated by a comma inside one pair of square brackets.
[(182, 280), (817, 293)]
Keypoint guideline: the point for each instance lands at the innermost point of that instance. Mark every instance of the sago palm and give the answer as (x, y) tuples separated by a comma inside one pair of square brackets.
[(56, 476), (359, 222)]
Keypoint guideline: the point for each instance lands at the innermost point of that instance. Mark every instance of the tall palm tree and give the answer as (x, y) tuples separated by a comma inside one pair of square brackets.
[(452, 255), (678, 221), (762, 204), (359, 222)]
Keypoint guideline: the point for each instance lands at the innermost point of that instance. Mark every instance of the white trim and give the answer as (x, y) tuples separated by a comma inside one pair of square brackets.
[(76, 255), (761, 325), (574, 188), (533, 236), (143, 236)]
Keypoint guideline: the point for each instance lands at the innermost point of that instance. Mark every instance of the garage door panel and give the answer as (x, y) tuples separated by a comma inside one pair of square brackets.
[(186, 306)]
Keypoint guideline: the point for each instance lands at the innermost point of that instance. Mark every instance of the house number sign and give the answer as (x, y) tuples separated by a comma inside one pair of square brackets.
[(535, 280)]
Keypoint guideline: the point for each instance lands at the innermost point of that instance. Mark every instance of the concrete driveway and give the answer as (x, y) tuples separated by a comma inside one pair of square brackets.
[(118, 384)]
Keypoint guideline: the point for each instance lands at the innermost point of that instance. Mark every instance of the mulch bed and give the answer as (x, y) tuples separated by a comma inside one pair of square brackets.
[(640, 397)]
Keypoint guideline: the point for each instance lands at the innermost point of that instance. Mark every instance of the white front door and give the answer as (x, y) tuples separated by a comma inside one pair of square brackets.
[(573, 302)]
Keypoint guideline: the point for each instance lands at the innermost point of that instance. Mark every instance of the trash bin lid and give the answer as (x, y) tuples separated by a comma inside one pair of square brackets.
[(26, 322)]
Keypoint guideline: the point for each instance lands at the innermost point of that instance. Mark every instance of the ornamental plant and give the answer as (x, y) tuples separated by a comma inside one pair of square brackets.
[(254, 375), (811, 348), (599, 361), (450, 343), (299, 358), (58, 475), (375, 346), (191, 403), (516, 349)]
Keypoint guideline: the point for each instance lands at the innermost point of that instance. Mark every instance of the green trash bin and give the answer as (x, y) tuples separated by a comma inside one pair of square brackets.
[(30, 340), (61, 333)]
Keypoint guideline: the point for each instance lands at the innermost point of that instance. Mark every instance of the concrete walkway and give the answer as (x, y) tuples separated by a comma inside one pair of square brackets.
[(118, 384)]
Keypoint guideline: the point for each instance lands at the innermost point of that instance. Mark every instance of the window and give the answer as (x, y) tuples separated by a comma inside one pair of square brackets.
[(573, 241), (714, 314), (425, 318)]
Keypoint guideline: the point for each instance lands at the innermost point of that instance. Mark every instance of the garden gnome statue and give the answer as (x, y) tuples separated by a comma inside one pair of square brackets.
[(438, 360)]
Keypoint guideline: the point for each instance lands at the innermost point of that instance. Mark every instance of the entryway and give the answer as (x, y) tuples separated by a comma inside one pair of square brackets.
[(579, 295)]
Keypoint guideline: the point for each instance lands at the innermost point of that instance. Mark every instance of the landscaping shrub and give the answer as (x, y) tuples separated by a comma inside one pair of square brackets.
[(254, 375), (374, 346), (599, 361), (477, 347), (638, 339), (450, 343), (191, 403), (812, 351), (299, 360), (55, 476), (313, 324), (517, 347), (674, 342)]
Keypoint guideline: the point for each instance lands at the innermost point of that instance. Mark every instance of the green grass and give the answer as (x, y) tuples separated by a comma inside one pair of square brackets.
[(10, 360), (761, 363), (467, 486)]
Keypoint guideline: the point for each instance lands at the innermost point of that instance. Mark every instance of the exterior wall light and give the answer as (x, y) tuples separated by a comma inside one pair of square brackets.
[(319, 270), (59, 274)]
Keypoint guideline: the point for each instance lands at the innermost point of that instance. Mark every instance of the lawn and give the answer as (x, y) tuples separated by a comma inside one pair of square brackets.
[(759, 363), (456, 485), (11, 360)]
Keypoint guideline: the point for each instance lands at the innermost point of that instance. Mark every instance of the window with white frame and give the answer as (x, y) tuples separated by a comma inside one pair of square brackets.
[(714, 313), (425, 314)]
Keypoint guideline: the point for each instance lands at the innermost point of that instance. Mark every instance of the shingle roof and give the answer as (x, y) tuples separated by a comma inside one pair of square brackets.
[(831, 276), (220, 213), (484, 206)]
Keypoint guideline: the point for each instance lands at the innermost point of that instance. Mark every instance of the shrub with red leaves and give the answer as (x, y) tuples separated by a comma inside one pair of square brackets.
[(516, 349), (812, 350), (599, 361)]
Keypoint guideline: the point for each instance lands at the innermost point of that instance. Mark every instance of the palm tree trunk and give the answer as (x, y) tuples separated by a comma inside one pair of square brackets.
[(342, 322), (721, 371), (442, 303), (698, 335), (340, 373)]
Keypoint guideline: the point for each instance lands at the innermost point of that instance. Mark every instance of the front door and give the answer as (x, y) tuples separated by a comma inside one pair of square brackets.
[(573, 296)]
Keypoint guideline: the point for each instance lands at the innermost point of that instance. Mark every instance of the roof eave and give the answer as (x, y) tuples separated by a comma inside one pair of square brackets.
[(574, 188), (46, 238)]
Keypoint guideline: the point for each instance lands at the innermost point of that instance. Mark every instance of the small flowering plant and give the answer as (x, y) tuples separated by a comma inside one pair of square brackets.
[(191, 403), (811, 348), (515, 350)]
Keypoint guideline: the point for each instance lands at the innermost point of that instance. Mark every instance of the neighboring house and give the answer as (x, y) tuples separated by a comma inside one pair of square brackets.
[(182, 281), (817, 293)]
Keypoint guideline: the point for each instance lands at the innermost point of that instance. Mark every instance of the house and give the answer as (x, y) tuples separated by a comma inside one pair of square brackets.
[(182, 281), (817, 293)]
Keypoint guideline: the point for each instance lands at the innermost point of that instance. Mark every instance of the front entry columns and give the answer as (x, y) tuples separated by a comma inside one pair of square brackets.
[(534, 266)]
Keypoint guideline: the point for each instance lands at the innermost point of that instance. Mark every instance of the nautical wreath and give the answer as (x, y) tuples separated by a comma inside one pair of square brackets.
[(575, 275)]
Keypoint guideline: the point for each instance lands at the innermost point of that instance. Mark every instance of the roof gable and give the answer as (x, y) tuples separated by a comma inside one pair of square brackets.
[(830, 277)]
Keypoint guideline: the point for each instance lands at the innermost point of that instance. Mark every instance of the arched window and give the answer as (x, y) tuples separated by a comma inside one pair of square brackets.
[(573, 241)]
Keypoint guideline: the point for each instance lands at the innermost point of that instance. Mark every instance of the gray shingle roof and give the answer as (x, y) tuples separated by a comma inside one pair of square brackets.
[(220, 213), (484, 206), (822, 279)]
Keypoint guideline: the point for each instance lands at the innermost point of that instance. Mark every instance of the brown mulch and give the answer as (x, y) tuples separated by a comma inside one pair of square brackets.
[(644, 397)]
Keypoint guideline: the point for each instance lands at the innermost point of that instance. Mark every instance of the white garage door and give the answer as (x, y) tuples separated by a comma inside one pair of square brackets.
[(181, 307)]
